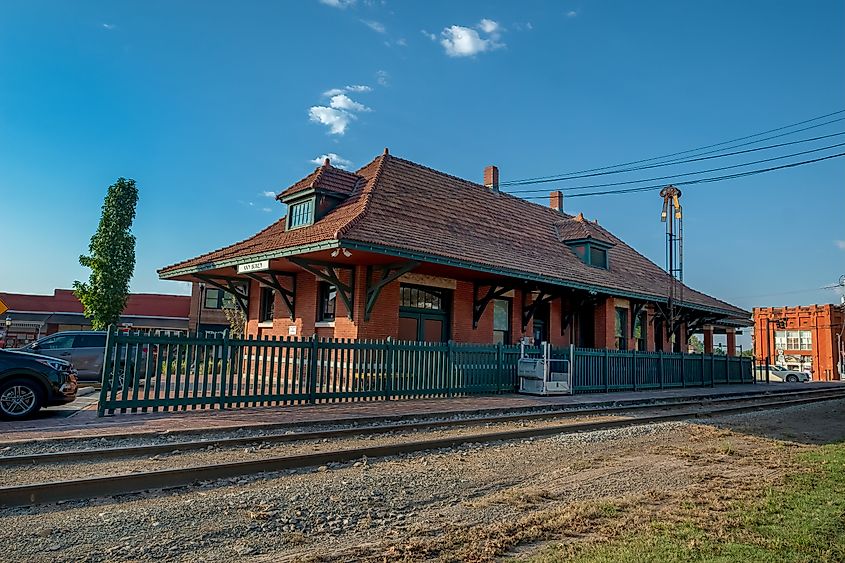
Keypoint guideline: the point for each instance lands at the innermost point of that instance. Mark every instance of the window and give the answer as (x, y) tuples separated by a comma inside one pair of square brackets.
[(218, 299), (415, 297), (56, 342), (327, 301), (598, 257), (265, 309), (89, 341), (640, 332), (793, 340), (300, 214), (621, 328), (591, 253), (501, 321)]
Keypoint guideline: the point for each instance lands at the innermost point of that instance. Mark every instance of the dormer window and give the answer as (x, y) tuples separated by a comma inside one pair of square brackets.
[(589, 242), (591, 252), (301, 214)]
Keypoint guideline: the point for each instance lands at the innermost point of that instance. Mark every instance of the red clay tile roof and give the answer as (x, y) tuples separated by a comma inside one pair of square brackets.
[(406, 206), (326, 178), (578, 228)]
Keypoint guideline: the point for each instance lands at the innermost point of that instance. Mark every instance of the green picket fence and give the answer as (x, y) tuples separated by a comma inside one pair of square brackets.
[(615, 370), (165, 373)]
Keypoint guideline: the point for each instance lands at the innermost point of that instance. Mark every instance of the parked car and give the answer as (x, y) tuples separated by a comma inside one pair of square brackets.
[(31, 381), (780, 373), (85, 349)]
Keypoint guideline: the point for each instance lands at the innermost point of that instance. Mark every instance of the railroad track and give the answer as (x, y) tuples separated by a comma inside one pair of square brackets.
[(355, 430), (94, 487)]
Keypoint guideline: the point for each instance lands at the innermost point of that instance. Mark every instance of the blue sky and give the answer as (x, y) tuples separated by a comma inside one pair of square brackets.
[(209, 105)]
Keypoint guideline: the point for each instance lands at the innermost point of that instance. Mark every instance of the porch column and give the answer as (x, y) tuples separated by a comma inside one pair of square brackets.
[(649, 327), (708, 339), (731, 334)]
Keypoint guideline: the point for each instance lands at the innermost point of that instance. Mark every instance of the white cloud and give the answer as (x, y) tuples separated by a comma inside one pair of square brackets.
[(333, 92), (108, 26), (378, 27), (338, 3), (268, 194), (523, 26), (344, 102), (335, 119), (359, 88), (402, 42), (382, 77), (459, 41), (488, 26), (840, 244), (266, 209), (429, 35), (336, 160), (571, 14)]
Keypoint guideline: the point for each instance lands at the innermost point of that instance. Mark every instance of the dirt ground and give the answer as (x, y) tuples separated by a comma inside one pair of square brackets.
[(474, 503)]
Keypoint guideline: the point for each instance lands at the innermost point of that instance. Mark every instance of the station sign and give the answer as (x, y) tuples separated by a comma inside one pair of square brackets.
[(254, 266)]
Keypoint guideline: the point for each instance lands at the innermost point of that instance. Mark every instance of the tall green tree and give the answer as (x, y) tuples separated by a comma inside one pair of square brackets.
[(111, 257)]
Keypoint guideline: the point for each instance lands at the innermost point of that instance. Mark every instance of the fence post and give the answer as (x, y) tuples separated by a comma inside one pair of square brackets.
[(107, 378), (224, 368), (702, 371), (499, 367), (606, 370), (634, 368), (728, 369), (683, 369), (388, 358), (660, 367), (449, 367), (312, 370)]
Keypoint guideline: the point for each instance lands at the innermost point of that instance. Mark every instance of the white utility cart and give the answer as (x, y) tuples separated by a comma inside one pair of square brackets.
[(545, 375)]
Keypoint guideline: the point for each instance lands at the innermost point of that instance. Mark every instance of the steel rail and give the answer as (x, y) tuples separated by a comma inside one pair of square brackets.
[(153, 449), (94, 487)]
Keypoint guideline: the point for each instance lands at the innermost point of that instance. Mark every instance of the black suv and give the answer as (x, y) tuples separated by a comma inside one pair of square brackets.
[(31, 381)]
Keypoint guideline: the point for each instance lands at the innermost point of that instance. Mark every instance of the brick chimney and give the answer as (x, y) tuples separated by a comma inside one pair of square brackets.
[(491, 178), (556, 200)]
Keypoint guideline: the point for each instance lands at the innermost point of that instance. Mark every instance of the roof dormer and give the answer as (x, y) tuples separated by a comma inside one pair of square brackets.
[(318, 193), (586, 240)]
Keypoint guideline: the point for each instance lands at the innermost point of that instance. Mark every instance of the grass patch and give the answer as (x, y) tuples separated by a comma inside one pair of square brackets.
[(802, 520)]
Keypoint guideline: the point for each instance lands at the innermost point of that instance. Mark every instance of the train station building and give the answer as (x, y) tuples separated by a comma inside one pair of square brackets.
[(397, 249)]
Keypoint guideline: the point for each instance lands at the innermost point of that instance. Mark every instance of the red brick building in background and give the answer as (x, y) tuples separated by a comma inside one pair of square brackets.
[(800, 338), (30, 317), (400, 250)]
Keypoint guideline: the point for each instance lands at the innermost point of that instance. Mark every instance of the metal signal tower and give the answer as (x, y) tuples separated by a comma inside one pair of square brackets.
[(673, 217)]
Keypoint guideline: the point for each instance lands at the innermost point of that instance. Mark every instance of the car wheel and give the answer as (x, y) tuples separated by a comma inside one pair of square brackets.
[(792, 378), (19, 399)]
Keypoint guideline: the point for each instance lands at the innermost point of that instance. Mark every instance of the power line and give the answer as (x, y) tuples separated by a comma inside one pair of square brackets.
[(572, 188), (571, 175), (700, 180), (808, 290)]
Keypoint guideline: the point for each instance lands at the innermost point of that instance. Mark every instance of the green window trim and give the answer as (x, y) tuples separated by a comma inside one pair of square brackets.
[(591, 253), (301, 214)]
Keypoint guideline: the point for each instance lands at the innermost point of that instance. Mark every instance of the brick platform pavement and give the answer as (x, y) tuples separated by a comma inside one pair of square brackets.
[(84, 422)]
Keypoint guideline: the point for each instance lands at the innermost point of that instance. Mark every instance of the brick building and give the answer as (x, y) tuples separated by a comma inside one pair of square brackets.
[(800, 338), (32, 316), (400, 250)]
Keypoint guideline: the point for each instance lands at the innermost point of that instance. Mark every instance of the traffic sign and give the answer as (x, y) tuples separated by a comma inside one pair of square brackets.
[(3, 307)]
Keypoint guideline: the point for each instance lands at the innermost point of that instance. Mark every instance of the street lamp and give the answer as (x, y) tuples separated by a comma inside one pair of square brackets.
[(200, 306)]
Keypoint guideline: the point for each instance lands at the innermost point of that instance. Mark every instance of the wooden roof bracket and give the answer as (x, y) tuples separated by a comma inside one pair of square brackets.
[(479, 304), (545, 296), (288, 295), (327, 272), (389, 274), (230, 285)]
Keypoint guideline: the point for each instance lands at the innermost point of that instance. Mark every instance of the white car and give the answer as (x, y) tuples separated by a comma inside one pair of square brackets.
[(780, 373)]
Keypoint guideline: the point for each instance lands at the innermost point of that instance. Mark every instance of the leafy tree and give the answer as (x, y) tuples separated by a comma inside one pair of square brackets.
[(236, 318), (696, 344), (111, 257)]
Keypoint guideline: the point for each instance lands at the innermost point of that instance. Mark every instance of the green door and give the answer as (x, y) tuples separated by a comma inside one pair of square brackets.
[(424, 313)]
